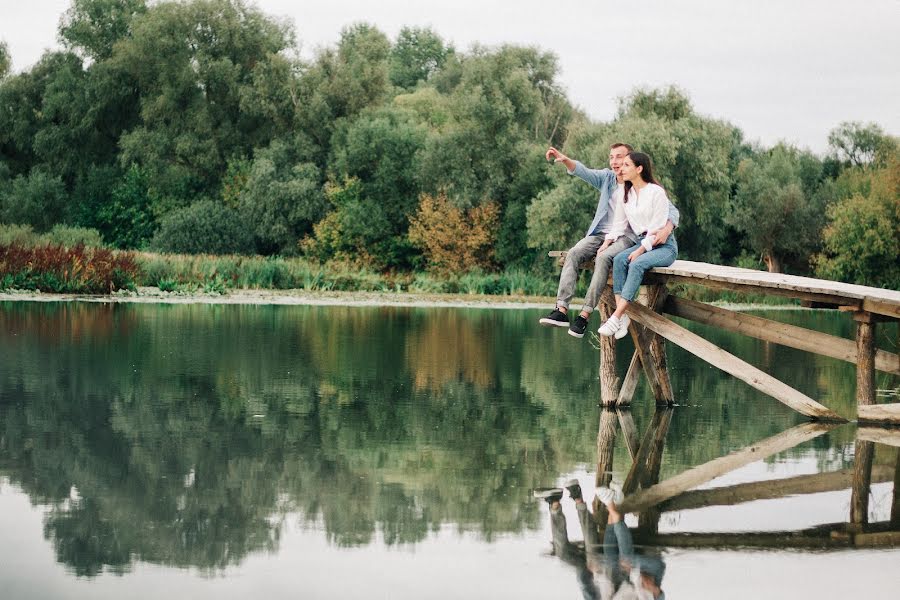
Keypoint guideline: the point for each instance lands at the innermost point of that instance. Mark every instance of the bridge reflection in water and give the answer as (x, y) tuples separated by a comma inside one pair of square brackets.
[(650, 498)]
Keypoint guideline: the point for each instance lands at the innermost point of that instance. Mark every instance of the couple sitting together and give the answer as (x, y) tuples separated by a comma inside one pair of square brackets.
[(632, 232)]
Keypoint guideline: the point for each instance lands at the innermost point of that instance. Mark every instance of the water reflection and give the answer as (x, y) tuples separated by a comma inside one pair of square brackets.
[(189, 435)]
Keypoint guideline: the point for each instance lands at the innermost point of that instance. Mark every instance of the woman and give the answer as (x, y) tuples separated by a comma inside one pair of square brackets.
[(646, 208)]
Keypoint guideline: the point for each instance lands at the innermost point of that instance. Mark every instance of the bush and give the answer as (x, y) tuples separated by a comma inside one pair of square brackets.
[(55, 268), (203, 227), (64, 235), (23, 235), (453, 240)]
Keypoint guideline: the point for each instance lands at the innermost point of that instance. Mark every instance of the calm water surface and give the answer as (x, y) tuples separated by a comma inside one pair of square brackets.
[(198, 451)]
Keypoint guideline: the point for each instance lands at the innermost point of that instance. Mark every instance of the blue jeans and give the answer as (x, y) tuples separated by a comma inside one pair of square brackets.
[(627, 276)]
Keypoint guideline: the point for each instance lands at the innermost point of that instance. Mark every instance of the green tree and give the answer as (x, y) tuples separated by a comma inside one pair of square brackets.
[(856, 145), (342, 82), (281, 198), (417, 54), (37, 199), (862, 239), (205, 226), (777, 207), (5, 60), (94, 26), (193, 63)]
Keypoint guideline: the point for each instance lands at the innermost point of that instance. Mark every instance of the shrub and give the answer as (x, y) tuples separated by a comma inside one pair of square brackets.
[(453, 240), (55, 268), (203, 227), (64, 235)]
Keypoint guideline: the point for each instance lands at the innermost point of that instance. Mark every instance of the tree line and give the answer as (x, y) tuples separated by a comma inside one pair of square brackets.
[(196, 127)]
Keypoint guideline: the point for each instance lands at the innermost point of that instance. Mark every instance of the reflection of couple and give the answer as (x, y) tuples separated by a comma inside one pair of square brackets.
[(609, 571), (631, 233)]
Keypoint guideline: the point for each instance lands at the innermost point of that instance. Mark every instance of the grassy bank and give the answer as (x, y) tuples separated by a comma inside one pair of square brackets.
[(69, 260)]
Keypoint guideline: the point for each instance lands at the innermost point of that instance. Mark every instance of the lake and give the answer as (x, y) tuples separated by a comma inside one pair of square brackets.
[(227, 451)]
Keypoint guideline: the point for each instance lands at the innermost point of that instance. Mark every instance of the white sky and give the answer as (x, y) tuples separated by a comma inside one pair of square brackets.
[(779, 69)]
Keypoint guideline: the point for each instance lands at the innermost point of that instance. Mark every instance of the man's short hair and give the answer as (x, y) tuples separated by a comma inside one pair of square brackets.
[(621, 145)]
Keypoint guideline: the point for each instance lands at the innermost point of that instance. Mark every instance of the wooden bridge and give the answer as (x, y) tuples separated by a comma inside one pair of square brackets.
[(649, 497), (867, 305)]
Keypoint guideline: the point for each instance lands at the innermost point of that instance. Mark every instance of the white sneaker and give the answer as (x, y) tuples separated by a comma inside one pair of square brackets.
[(622, 331), (610, 327), (610, 495)]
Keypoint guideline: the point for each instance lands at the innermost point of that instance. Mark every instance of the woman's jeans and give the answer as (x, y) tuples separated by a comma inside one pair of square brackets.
[(627, 276)]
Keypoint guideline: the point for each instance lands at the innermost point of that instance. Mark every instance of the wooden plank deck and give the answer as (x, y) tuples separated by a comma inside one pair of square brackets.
[(869, 299)]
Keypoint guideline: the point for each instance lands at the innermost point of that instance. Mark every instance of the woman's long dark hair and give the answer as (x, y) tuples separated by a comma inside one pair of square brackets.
[(640, 160)]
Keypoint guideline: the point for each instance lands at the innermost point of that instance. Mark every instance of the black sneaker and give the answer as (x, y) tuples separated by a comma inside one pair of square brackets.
[(574, 489), (550, 495), (578, 327), (557, 318)]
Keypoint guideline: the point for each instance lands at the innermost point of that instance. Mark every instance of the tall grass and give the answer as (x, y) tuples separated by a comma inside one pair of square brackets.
[(58, 269)]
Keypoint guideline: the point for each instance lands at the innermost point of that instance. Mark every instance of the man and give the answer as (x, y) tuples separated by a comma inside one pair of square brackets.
[(595, 243)]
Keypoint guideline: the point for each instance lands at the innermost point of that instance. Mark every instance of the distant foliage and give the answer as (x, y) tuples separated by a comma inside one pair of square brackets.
[(205, 226), (58, 269), (455, 240), (60, 235), (862, 239)]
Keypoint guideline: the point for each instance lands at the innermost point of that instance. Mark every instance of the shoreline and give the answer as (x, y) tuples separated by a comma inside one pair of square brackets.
[(152, 295)]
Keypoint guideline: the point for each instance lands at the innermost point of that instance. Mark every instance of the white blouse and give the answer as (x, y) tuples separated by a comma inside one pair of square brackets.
[(647, 210)]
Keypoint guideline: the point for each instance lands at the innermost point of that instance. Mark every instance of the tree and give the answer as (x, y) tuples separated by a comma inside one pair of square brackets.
[(776, 205), (282, 197), (94, 26), (854, 144), (862, 239), (194, 64), (5, 60), (454, 241), (203, 227), (341, 83), (417, 54), (37, 199)]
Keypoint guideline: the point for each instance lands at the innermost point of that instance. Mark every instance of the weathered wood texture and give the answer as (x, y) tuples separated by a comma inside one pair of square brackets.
[(629, 433), (862, 482), (609, 381), (606, 443), (641, 340), (731, 364), (880, 413), (629, 384), (865, 363), (652, 442), (771, 489), (868, 299), (701, 474), (895, 502), (879, 435), (821, 536), (779, 333), (656, 297)]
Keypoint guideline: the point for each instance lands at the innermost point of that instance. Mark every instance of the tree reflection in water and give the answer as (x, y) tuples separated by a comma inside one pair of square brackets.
[(186, 435)]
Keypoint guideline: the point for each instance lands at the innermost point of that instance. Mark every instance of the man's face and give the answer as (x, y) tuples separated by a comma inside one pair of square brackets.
[(616, 156)]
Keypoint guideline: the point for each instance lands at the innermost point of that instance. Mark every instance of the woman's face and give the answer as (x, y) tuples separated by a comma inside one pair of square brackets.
[(629, 171)]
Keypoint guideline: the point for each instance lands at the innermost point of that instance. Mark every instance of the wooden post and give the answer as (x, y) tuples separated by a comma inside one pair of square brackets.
[(629, 431), (609, 381), (656, 297), (629, 384), (895, 506), (865, 359), (862, 483), (731, 364), (606, 443), (648, 520)]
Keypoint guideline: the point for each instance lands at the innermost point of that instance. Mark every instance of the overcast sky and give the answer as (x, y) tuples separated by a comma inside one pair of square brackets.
[(779, 69)]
